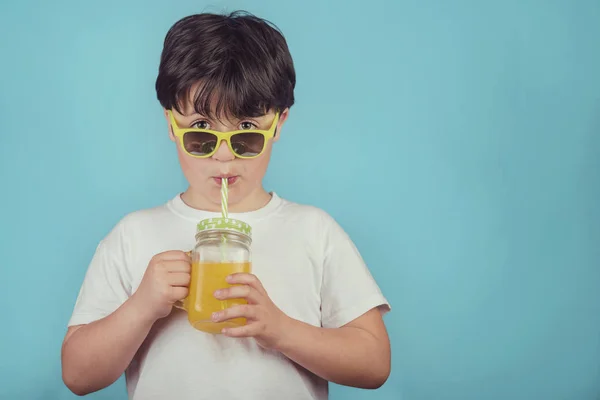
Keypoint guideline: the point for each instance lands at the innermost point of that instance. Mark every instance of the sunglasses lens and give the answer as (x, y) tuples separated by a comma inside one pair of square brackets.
[(199, 143), (248, 144)]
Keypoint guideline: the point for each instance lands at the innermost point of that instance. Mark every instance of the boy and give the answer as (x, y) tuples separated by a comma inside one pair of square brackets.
[(314, 312)]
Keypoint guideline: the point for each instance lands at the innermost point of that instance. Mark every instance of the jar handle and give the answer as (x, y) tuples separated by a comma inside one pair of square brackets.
[(180, 304)]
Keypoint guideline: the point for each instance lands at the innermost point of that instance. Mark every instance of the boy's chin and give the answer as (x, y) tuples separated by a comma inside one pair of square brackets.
[(234, 193)]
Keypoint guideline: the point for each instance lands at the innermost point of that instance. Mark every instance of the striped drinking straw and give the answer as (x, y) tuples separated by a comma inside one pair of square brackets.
[(224, 198), (224, 212)]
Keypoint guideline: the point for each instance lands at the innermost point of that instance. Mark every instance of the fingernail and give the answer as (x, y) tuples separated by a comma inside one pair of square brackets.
[(229, 278), (215, 316), (224, 331), (218, 293)]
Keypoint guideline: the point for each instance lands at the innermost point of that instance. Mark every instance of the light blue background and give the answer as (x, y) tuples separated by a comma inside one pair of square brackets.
[(458, 142)]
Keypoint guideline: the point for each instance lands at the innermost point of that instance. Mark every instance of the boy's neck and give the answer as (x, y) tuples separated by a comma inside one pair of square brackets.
[(255, 201)]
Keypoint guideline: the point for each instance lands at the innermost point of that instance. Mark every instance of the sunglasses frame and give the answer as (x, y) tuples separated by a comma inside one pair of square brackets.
[(226, 136)]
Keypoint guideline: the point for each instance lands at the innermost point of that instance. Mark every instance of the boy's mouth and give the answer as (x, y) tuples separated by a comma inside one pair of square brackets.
[(230, 179)]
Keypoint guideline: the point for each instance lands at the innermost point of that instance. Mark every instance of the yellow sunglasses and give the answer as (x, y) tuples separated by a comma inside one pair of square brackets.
[(203, 143)]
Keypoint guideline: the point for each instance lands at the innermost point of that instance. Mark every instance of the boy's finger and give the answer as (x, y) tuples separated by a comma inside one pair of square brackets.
[(172, 255), (251, 280), (178, 292), (176, 266), (244, 310), (179, 279), (249, 330), (239, 292)]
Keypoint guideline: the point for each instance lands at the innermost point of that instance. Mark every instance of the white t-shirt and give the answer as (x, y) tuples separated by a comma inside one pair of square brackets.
[(306, 262)]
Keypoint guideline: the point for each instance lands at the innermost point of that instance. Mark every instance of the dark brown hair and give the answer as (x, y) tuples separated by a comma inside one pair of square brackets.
[(241, 63)]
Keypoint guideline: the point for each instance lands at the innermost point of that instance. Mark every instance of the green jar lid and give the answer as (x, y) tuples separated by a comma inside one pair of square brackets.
[(227, 224)]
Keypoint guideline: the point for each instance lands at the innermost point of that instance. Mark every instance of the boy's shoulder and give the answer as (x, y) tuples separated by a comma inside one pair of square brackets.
[(310, 220), (146, 215), (299, 208), (301, 211), (141, 220)]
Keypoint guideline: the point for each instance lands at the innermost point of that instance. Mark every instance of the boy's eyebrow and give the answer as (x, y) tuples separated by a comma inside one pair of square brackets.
[(194, 116), (189, 118)]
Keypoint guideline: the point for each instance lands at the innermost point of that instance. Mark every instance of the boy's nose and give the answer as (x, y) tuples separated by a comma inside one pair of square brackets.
[(223, 153)]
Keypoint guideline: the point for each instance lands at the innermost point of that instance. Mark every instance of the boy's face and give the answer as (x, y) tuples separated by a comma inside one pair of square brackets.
[(205, 174)]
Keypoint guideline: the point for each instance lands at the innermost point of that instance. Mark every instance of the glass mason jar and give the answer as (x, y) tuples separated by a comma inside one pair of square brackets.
[(222, 248)]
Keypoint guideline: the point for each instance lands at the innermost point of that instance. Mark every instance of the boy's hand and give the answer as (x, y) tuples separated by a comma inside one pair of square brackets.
[(265, 322), (165, 281)]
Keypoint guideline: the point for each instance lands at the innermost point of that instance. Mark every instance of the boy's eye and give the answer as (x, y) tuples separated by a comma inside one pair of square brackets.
[(247, 125), (201, 125), (200, 148)]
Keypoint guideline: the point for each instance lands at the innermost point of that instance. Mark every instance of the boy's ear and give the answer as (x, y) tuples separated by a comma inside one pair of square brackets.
[(282, 118), (171, 135)]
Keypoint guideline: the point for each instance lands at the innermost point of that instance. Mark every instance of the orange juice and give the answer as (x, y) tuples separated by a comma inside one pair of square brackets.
[(207, 277)]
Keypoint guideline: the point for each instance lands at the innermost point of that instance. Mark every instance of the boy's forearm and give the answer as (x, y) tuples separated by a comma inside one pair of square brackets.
[(347, 356), (97, 354)]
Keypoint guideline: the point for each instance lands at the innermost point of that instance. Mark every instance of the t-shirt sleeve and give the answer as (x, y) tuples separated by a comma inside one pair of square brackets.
[(348, 289), (107, 283)]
